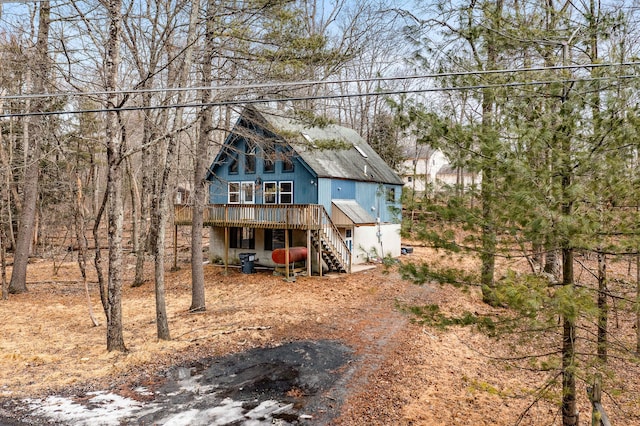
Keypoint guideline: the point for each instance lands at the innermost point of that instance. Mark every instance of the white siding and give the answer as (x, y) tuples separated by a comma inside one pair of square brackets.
[(365, 240)]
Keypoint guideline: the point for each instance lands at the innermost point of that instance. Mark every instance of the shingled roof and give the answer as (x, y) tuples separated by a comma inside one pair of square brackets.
[(356, 160)]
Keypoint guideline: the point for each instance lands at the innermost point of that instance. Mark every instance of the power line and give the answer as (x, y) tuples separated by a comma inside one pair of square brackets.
[(231, 102), (317, 82)]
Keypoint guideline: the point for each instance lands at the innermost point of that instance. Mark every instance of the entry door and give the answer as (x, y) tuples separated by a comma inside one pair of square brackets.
[(248, 193), (248, 196), (349, 239)]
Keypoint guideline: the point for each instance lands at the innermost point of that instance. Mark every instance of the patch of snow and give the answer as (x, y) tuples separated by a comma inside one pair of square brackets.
[(107, 409), (192, 385), (103, 409), (228, 411), (184, 418)]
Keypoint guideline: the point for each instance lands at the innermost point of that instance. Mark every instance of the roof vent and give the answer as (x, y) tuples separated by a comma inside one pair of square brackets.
[(365, 169)]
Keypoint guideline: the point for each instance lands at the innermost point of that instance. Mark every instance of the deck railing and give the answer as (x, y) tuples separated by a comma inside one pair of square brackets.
[(277, 216), (334, 240)]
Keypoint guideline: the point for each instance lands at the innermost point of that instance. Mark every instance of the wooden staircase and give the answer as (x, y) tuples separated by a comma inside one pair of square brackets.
[(333, 249)]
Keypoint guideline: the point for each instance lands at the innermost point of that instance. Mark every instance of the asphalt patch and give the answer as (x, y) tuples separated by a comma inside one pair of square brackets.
[(292, 384)]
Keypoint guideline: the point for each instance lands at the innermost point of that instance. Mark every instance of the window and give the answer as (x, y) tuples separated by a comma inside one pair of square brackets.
[(287, 160), (234, 193), (391, 195), (270, 191), (274, 238), (242, 238), (286, 193), (269, 158), (233, 162), (249, 157), (248, 191)]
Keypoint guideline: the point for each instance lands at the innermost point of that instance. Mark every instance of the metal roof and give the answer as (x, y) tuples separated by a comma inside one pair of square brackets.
[(357, 162), (354, 211)]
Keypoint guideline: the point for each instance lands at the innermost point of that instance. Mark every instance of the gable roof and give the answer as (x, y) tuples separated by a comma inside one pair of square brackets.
[(359, 162), (418, 152)]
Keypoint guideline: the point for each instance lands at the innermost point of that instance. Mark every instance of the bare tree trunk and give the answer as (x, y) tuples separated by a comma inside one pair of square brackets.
[(552, 263), (159, 222), (3, 264), (95, 201), (115, 211), (38, 132), (4, 200), (603, 308), (162, 322), (81, 240), (3, 258), (488, 237), (135, 225), (200, 167), (7, 194), (147, 190), (638, 304), (97, 260), (569, 405)]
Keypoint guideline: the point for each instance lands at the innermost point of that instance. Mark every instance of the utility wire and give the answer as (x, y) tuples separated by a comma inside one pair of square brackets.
[(317, 82), (231, 102)]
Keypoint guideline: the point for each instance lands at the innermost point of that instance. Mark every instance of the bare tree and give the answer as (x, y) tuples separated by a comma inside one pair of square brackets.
[(115, 211), (81, 241), (38, 131), (201, 162), (167, 166), (3, 202)]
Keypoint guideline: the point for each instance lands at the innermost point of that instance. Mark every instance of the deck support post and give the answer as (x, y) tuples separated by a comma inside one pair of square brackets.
[(226, 250), (286, 245), (308, 252), (320, 252), (175, 247)]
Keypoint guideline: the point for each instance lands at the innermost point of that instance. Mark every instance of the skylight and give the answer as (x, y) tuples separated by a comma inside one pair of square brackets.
[(360, 151), (307, 137)]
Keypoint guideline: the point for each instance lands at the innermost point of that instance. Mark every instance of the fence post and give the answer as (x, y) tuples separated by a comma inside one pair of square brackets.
[(598, 415)]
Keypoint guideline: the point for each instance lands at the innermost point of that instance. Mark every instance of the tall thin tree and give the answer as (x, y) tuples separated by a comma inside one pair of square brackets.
[(115, 210), (37, 129)]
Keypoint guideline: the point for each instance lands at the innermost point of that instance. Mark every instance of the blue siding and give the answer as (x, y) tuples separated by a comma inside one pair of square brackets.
[(307, 188), (324, 193), (343, 189), (374, 195), (304, 189)]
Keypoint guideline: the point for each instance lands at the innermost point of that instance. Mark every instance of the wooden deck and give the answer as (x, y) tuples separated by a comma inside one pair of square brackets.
[(308, 217), (276, 216)]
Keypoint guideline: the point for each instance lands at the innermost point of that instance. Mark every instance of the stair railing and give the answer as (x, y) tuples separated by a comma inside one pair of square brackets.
[(332, 237)]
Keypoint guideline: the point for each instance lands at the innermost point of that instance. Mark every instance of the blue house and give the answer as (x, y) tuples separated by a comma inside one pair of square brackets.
[(281, 182)]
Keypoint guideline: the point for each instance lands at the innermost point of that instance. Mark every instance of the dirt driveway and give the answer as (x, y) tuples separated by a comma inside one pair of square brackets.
[(332, 350), (295, 352)]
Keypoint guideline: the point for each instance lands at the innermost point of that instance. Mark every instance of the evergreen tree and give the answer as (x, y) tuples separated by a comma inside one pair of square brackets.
[(548, 153)]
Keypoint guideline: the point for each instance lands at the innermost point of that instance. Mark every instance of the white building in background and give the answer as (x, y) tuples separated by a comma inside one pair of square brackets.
[(427, 169)]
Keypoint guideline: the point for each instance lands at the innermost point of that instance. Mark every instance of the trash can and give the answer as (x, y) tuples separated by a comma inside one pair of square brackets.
[(247, 262)]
